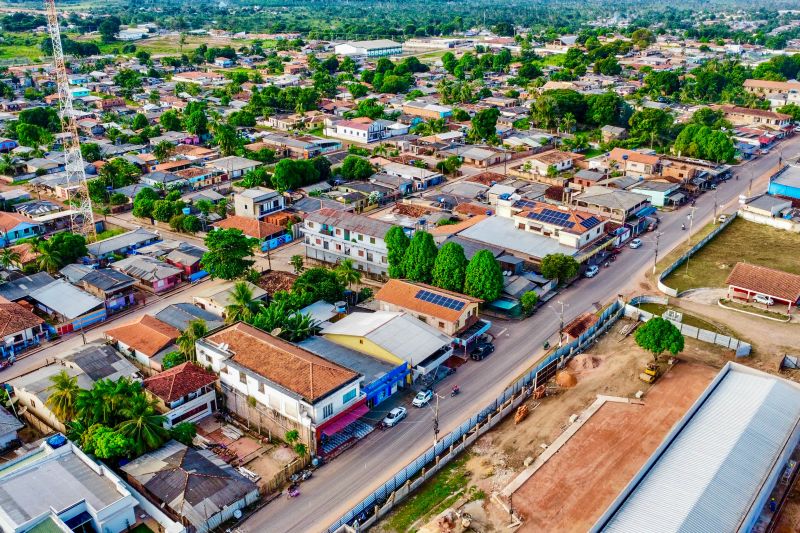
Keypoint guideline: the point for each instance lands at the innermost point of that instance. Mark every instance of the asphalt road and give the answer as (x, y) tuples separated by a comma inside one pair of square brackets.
[(349, 478)]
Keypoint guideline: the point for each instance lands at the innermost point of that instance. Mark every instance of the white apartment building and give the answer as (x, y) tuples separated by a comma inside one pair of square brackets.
[(332, 235), (360, 130)]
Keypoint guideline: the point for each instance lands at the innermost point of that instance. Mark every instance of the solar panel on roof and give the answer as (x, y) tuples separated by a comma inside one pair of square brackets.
[(440, 300)]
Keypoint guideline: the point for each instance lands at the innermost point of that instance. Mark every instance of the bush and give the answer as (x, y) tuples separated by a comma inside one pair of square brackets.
[(364, 294), (529, 301)]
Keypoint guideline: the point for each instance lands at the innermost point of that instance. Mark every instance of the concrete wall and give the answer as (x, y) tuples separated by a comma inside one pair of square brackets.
[(779, 223)]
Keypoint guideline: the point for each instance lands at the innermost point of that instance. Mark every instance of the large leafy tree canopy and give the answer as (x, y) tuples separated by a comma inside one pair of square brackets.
[(559, 266), (396, 243), (659, 335), (228, 252), (484, 278), (450, 267), (420, 258)]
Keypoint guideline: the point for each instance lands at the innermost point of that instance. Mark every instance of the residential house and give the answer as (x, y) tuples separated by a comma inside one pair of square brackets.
[(539, 166), (634, 163), (14, 226), (20, 288), (257, 202), (610, 133), (234, 167), (771, 88), (99, 361), (661, 193), (179, 254), (56, 487), (180, 315), (201, 177), (68, 306), (786, 183), (184, 393), (426, 111), (264, 231), (146, 339), (447, 311), (20, 329), (745, 116), (478, 156), (297, 147), (121, 244), (151, 274), (113, 287), (191, 485), (158, 179), (422, 178), (31, 391), (9, 426), (216, 299), (359, 130), (394, 337), (331, 236), (292, 388), (623, 207)]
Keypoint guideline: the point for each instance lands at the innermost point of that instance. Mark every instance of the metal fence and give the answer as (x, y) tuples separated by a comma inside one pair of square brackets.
[(682, 259), (539, 373)]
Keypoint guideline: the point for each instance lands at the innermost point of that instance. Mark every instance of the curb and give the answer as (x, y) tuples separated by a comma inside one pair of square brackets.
[(719, 303)]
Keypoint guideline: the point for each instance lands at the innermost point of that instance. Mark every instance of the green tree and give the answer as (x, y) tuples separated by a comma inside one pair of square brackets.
[(191, 224), (63, 396), (319, 283), (242, 307), (139, 122), (356, 168), (484, 278), (195, 330), (484, 124), (142, 425), (529, 301), (105, 443), (347, 273), (173, 359), (450, 165), (559, 266), (184, 433), (49, 259), (397, 243), (68, 246), (119, 173), (657, 336), (420, 258), (450, 267), (163, 210), (129, 80), (109, 28), (91, 152), (790, 109), (163, 150), (227, 254), (298, 326), (604, 109), (297, 263), (197, 123), (170, 120), (9, 258), (650, 124)]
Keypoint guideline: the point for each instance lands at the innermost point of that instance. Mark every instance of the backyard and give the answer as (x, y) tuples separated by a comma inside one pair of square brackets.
[(741, 241)]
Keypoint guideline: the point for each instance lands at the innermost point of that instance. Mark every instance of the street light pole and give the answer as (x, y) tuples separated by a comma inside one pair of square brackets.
[(436, 420), (560, 321), (655, 257), (689, 238)]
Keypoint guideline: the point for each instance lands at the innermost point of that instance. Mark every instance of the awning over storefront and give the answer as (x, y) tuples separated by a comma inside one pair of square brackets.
[(343, 419), (643, 212), (473, 332), (676, 198)]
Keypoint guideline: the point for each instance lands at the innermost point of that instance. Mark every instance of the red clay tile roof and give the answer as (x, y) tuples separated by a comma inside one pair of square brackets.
[(15, 318), (9, 221), (763, 280), (284, 364), (147, 334), (637, 157), (250, 226), (402, 294), (175, 383)]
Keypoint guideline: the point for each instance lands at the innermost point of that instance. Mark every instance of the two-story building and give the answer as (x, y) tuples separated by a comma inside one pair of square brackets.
[(745, 116), (359, 130), (14, 226), (258, 202), (234, 167), (184, 393), (293, 389), (331, 236), (627, 208), (150, 274), (633, 163), (20, 329), (569, 226)]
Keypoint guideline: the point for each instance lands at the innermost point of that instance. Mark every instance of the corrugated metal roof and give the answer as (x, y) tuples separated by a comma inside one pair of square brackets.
[(65, 299), (714, 464)]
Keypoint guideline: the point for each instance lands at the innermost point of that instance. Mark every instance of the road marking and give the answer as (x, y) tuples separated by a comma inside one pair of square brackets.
[(502, 331)]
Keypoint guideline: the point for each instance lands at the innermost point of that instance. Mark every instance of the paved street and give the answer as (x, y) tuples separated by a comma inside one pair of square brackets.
[(351, 477)]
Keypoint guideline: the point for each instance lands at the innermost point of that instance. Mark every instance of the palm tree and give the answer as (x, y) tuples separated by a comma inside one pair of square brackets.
[(242, 307), (49, 259), (568, 122), (163, 150), (64, 395), (196, 329), (142, 425), (347, 273), (6, 164), (9, 258), (298, 327)]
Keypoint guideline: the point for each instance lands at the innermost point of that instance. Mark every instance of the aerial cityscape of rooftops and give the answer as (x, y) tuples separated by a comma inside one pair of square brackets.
[(329, 266)]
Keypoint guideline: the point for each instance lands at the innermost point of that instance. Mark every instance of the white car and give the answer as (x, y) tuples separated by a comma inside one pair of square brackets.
[(422, 398), (722, 218), (636, 243), (394, 416), (591, 271), (764, 299)]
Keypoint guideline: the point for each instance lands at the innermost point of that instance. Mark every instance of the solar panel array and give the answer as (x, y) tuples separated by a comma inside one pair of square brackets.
[(525, 203), (551, 216), (438, 299), (590, 222)]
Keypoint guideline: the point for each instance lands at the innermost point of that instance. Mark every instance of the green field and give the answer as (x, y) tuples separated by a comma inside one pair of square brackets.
[(741, 241)]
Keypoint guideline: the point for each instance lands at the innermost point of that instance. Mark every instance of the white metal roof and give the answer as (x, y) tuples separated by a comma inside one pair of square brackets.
[(715, 463)]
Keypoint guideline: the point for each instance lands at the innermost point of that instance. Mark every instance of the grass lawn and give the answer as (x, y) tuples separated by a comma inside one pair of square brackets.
[(434, 496), (553, 60), (741, 241), (592, 152), (754, 308), (107, 234), (141, 528)]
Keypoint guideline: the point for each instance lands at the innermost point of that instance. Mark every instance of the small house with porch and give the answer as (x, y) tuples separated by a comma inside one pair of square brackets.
[(747, 281)]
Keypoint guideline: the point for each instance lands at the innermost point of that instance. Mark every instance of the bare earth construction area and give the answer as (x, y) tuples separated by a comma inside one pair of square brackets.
[(571, 490)]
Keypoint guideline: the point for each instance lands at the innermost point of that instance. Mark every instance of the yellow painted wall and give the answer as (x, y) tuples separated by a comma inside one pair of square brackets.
[(365, 346)]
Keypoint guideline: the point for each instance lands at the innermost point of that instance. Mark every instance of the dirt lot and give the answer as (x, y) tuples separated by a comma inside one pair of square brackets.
[(577, 484)]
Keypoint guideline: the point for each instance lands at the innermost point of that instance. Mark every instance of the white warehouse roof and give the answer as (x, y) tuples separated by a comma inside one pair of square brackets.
[(717, 467)]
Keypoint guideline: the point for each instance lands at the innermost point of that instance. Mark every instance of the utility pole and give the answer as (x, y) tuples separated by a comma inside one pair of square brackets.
[(715, 209), (436, 420), (689, 238), (655, 257), (560, 321)]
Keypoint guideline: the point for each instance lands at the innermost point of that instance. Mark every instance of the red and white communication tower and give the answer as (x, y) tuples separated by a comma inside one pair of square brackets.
[(82, 218)]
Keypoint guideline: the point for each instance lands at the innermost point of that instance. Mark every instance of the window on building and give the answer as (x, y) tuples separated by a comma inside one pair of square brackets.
[(242, 378), (262, 388), (441, 324), (369, 256), (361, 253), (327, 411), (348, 396), (360, 237), (372, 240)]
